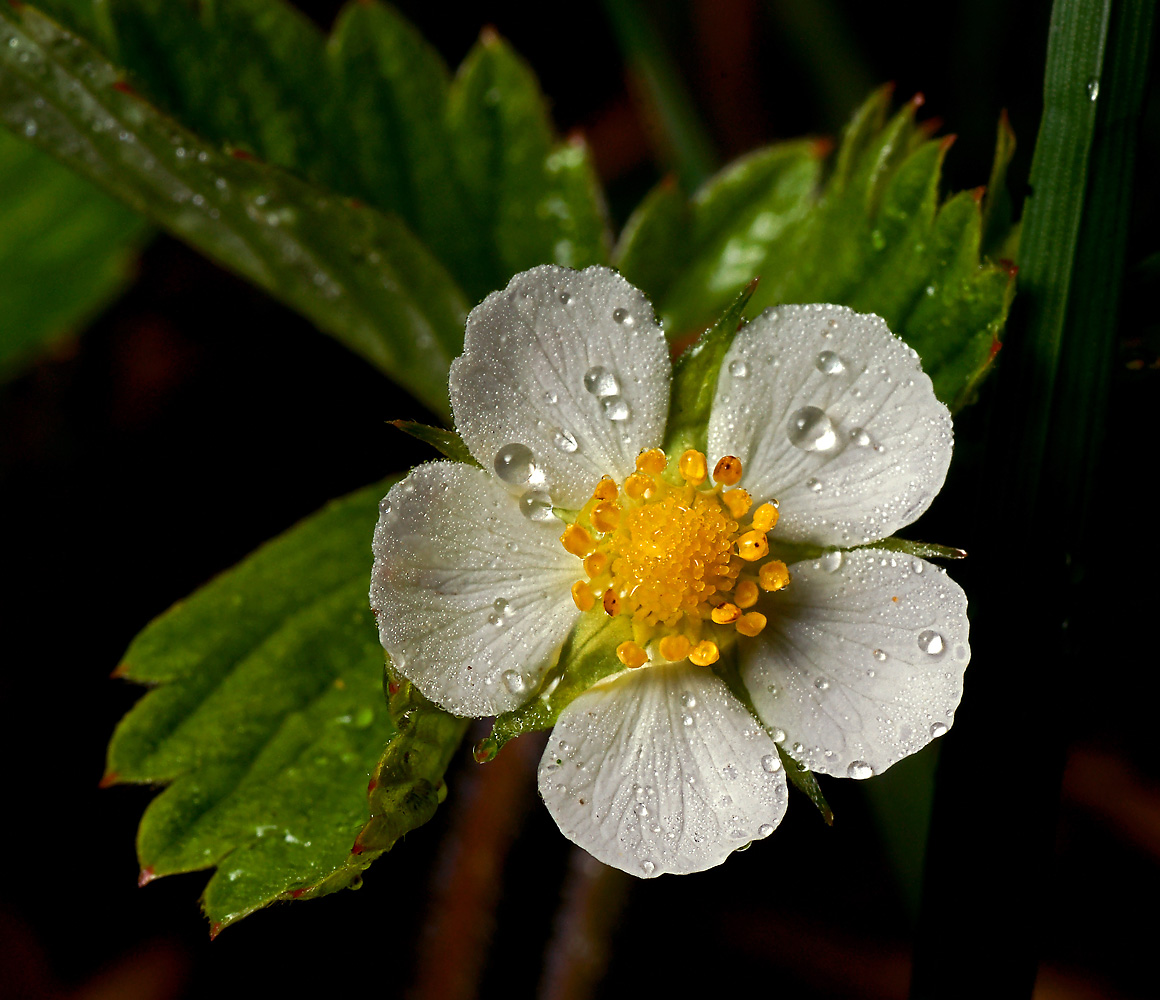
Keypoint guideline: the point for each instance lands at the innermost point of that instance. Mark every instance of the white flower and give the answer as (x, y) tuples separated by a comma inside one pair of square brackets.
[(562, 395)]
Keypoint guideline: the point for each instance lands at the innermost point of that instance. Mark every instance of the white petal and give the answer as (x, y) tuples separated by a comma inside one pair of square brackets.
[(862, 661), (830, 413), (662, 770), (472, 599), (522, 378)]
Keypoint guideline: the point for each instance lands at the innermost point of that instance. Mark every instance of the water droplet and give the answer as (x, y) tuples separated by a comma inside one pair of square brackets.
[(536, 505), (859, 436), (641, 810), (828, 363), (814, 485), (515, 464), (937, 730), (623, 316), (831, 562), (599, 381), (764, 830), (384, 506), (860, 770), (880, 655), (30, 128), (918, 566), (811, 430), (798, 748), (738, 369), (566, 298), (566, 442), (1093, 89), (931, 643), (822, 684), (777, 735), (688, 700), (615, 408), (686, 719), (647, 867), (501, 606), (771, 763), (513, 681)]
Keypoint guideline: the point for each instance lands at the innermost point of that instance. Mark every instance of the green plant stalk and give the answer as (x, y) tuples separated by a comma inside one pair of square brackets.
[(991, 834)]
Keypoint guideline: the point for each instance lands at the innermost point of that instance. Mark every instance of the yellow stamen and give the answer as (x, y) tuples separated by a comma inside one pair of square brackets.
[(582, 595), (606, 516), (704, 653), (774, 575), (577, 541), (726, 613), (652, 462), (692, 467), (765, 517), (674, 647), (611, 602), (753, 545), (596, 564), (631, 655), (605, 490), (638, 486), (738, 502), (728, 471), (750, 624), (745, 596)]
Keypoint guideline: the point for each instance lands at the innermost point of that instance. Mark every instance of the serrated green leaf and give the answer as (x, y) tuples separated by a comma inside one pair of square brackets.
[(359, 274), (446, 442), (66, 250), (695, 379), (267, 718), (589, 654), (873, 237), (805, 780)]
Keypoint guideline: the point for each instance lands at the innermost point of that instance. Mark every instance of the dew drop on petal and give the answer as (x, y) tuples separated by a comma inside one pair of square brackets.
[(599, 381), (647, 867), (623, 316), (814, 485), (822, 684), (566, 442), (513, 681), (937, 730), (859, 436), (738, 368), (828, 363), (764, 830), (514, 464), (931, 643), (536, 505), (880, 655), (811, 430), (859, 770), (615, 408), (688, 700), (831, 562), (771, 763)]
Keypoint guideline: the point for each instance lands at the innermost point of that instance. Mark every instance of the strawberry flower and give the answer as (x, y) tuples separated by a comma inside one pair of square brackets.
[(731, 595)]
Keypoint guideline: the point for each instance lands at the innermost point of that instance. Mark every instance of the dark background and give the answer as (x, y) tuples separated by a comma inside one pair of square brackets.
[(197, 418)]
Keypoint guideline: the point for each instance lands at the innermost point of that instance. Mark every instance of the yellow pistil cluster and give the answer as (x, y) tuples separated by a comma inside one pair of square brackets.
[(683, 558)]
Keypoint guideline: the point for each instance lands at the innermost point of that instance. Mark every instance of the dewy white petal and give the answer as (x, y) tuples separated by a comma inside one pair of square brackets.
[(662, 770), (862, 661), (831, 414), (569, 364), (472, 598)]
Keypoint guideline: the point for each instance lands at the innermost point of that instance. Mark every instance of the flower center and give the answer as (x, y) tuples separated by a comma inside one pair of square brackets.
[(684, 559)]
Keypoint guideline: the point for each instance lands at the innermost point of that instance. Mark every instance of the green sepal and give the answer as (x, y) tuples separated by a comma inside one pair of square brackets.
[(588, 655), (997, 207), (405, 788), (922, 550), (695, 374), (803, 779), (447, 443)]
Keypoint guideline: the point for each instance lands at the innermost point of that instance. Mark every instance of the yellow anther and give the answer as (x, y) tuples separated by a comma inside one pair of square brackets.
[(639, 486), (631, 655), (704, 653), (726, 613), (750, 624), (774, 575), (605, 490), (752, 545), (674, 647), (611, 602), (595, 564), (577, 541), (653, 462), (582, 595), (738, 502), (728, 471), (606, 515), (692, 467), (745, 596), (765, 517)]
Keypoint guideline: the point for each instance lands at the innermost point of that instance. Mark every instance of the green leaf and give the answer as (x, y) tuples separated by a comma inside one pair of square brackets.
[(66, 250), (537, 201), (804, 780), (873, 236), (997, 208), (266, 718), (446, 442), (695, 379), (589, 654), (359, 274)]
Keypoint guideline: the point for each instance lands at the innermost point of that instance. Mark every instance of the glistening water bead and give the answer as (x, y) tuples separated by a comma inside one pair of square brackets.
[(599, 381), (536, 505), (931, 643), (515, 464), (828, 363), (811, 430)]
